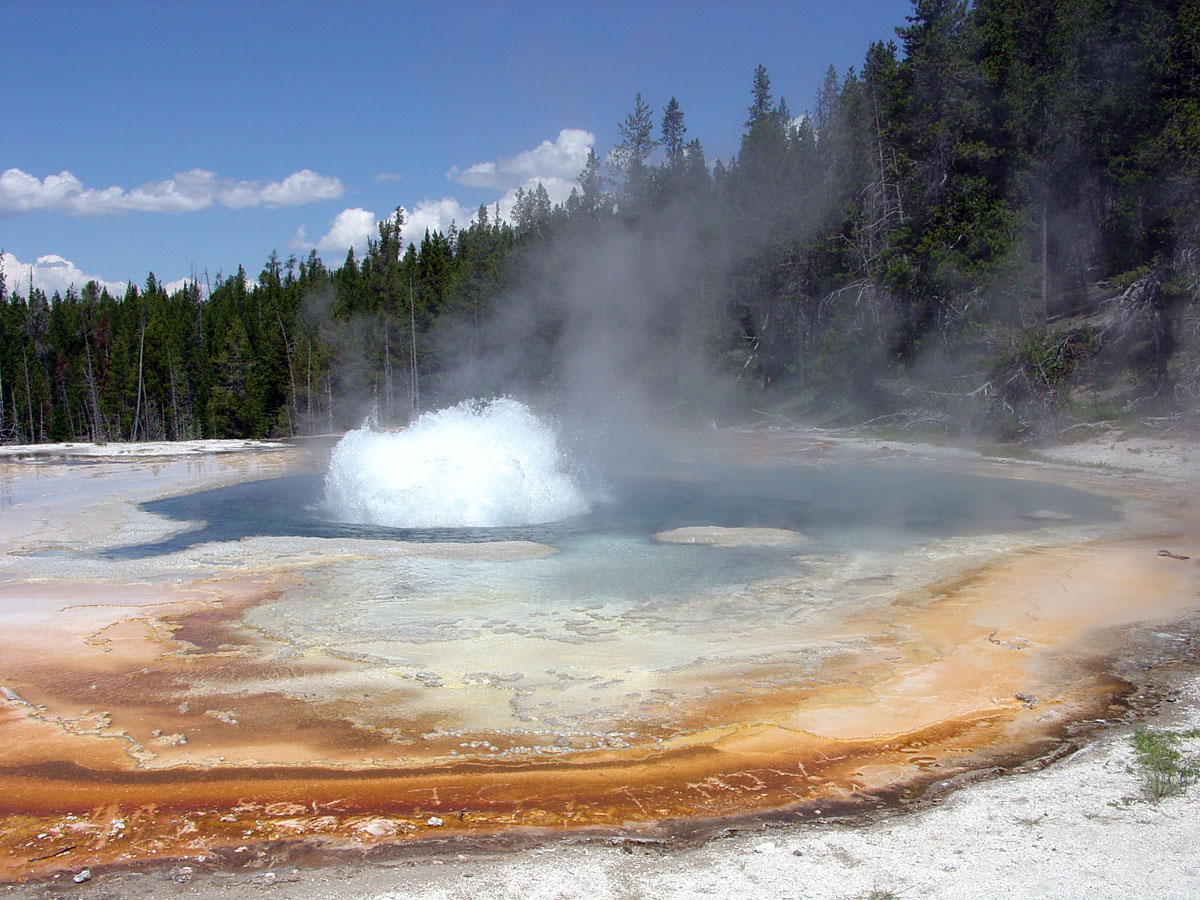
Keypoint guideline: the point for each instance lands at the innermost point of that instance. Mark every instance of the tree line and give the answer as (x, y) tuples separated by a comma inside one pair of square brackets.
[(993, 223)]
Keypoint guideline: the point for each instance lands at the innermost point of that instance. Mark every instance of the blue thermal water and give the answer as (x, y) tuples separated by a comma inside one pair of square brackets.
[(842, 506), (495, 471)]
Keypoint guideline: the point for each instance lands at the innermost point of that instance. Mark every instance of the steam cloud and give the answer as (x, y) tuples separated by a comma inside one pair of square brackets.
[(606, 328)]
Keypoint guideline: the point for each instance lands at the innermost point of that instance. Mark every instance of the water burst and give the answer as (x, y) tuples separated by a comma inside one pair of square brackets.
[(478, 464)]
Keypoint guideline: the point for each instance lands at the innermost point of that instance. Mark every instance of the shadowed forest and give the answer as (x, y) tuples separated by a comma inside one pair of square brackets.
[(991, 226)]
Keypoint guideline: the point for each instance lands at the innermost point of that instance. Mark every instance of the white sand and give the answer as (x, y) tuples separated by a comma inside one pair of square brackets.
[(1172, 458)]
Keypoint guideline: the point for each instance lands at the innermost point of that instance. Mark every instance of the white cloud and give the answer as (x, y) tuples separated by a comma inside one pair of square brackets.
[(300, 240), (172, 286), (187, 191), (352, 227), (563, 159), (558, 189), (435, 215), (183, 192), (349, 228), (51, 273), (555, 164), (305, 186)]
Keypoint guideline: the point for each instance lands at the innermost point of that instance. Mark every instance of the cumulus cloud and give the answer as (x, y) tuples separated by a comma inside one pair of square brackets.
[(179, 283), (564, 159), (51, 273), (349, 228), (183, 192), (435, 215), (352, 227), (558, 189), (305, 186), (553, 164)]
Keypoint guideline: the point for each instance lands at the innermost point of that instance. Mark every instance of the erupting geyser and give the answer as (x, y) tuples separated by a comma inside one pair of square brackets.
[(480, 464)]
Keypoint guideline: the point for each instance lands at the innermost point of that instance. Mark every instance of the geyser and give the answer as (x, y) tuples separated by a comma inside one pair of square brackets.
[(480, 464)]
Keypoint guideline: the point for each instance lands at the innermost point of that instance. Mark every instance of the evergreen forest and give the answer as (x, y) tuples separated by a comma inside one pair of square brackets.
[(991, 226)]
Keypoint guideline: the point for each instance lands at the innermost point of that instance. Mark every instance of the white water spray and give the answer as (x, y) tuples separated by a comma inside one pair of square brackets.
[(478, 464)]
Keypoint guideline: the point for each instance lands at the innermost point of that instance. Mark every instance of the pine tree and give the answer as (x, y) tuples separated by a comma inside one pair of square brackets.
[(673, 131), (632, 153)]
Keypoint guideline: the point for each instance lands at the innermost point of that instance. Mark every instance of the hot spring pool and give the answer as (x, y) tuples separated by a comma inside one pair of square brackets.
[(841, 507), (609, 557), (744, 624), (610, 620)]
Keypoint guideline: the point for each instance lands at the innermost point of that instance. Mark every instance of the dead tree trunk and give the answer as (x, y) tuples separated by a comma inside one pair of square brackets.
[(308, 387), (99, 431), (28, 396), (137, 411), (1045, 260), (293, 410), (415, 394)]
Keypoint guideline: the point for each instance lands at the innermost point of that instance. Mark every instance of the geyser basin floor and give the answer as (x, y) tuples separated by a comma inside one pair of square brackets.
[(191, 704)]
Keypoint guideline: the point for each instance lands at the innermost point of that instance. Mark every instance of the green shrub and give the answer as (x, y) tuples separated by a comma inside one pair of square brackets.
[(1165, 770)]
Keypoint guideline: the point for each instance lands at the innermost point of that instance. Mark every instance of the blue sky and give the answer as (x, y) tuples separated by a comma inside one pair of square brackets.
[(185, 137)]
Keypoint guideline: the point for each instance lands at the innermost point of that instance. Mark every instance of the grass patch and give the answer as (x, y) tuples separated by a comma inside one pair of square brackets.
[(1164, 768)]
